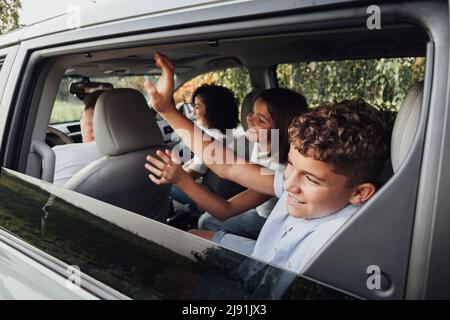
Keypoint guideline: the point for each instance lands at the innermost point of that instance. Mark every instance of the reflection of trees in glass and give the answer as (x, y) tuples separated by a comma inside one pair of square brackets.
[(221, 280), (254, 279), (132, 265)]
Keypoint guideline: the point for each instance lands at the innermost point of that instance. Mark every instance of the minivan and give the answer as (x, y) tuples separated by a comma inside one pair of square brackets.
[(98, 243)]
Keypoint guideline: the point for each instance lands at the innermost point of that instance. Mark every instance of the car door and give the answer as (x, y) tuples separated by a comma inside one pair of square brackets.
[(119, 254)]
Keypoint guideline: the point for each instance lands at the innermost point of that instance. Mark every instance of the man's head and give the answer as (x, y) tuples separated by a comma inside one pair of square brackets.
[(87, 116), (336, 153)]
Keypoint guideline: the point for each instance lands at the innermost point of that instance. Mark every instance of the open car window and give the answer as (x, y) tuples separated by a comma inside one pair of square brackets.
[(235, 79)]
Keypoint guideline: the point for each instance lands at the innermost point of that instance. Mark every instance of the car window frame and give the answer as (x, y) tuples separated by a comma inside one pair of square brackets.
[(7, 55)]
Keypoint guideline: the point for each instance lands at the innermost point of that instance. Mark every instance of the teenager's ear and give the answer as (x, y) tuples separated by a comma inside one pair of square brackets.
[(362, 193)]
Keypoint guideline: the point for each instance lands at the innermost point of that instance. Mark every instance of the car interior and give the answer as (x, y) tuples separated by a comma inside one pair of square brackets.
[(257, 54), (119, 178), (124, 144)]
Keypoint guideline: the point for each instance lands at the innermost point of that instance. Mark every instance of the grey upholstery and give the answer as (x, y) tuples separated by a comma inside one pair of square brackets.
[(48, 160), (123, 122), (406, 124), (222, 187), (126, 131)]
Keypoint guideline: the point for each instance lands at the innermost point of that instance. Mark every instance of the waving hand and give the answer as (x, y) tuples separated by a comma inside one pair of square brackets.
[(161, 95)]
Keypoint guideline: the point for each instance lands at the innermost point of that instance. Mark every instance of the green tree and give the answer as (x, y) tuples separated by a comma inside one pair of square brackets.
[(381, 82), (9, 15), (235, 79)]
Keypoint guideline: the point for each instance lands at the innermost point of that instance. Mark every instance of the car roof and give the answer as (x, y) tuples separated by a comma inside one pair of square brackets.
[(253, 51), (94, 14)]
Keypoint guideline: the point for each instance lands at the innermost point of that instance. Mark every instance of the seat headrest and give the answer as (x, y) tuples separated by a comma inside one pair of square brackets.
[(406, 124), (247, 104), (123, 122)]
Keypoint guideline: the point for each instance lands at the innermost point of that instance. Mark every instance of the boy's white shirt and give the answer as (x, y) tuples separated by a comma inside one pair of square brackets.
[(291, 242)]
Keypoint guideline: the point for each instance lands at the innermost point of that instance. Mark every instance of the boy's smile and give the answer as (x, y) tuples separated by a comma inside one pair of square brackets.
[(314, 190)]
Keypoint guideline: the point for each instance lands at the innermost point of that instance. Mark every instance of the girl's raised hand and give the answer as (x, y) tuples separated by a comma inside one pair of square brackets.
[(161, 95)]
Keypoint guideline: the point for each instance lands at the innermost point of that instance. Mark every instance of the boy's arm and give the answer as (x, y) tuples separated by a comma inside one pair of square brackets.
[(241, 172), (210, 202)]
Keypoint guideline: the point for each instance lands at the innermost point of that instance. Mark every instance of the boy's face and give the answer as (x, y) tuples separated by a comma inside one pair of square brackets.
[(314, 190)]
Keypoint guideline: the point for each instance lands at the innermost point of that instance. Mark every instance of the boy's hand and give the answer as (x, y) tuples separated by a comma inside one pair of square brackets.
[(161, 95), (168, 168)]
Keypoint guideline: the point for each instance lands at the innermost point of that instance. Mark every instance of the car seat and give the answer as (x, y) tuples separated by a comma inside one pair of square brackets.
[(126, 132)]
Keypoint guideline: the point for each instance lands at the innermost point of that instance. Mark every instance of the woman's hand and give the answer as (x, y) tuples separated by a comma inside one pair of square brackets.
[(161, 95), (167, 169)]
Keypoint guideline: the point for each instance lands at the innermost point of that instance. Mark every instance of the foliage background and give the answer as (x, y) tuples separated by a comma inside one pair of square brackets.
[(380, 82), (235, 79), (9, 15)]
